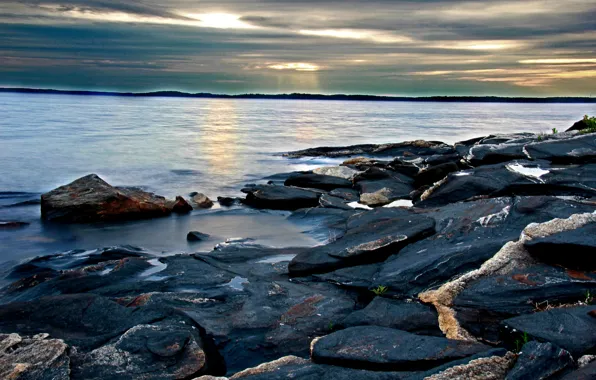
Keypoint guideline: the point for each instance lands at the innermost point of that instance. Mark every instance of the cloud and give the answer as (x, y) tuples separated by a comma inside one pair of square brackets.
[(381, 46)]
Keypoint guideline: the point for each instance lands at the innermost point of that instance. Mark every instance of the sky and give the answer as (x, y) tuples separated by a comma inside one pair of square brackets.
[(384, 47)]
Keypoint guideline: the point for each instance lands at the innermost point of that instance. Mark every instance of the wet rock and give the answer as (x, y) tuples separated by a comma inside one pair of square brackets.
[(573, 249), (381, 348), (402, 315), (197, 236), (540, 361), (201, 200), (181, 206), (571, 328), (333, 202), (90, 199), (484, 303), (337, 171), (317, 181), (435, 173), (404, 167), (371, 236), (12, 224), (407, 149), (35, 357), (579, 149), (378, 187), (228, 201), (155, 351), (280, 197), (358, 277)]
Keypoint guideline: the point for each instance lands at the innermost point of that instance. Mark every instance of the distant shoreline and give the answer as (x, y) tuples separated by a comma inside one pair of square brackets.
[(299, 96)]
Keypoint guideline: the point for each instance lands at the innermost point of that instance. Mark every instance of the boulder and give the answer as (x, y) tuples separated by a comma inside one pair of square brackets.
[(280, 197), (490, 154), (540, 361), (577, 149), (36, 357), (349, 195), (228, 201), (336, 171), (197, 236), (317, 181), (370, 237), (573, 249), (514, 178), (91, 199), (435, 173), (402, 315), (571, 328), (201, 200), (333, 202), (381, 186), (145, 351), (181, 206), (382, 348), (484, 303), (578, 126)]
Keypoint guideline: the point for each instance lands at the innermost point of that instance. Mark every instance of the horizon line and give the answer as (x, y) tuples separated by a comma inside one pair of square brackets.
[(309, 96)]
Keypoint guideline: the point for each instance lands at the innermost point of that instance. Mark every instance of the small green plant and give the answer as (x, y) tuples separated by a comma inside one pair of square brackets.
[(589, 297), (540, 136), (555, 131), (590, 123), (380, 290), (331, 326), (519, 343)]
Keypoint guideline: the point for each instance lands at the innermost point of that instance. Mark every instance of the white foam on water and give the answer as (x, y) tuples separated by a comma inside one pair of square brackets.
[(359, 205), (400, 203)]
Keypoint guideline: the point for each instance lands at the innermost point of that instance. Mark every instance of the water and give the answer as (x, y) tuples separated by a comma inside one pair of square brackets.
[(175, 145)]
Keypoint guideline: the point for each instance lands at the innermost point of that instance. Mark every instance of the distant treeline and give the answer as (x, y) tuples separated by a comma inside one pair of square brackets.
[(178, 94)]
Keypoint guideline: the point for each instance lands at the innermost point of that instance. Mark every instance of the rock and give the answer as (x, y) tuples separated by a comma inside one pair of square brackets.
[(280, 197), (371, 236), (359, 277), (350, 195), (378, 198), (578, 126), (540, 361), (383, 186), (572, 249), (337, 171), (407, 316), (403, 167), (587, 372), (514, 178), (197, 236), (571, 328), (155, 351), (433, 174), (358, 161), (181, 206), (333, 202), (293, 367), (36, 357), (484, 303), (406, 149), (201, 200), (228, 201), (13, 224), (317, 181), (578, 149), (492, 365), (381, 348), (90, 199), (490, 154), (468, 234)]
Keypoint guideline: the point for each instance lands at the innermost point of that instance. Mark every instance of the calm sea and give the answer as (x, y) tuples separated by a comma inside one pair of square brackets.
[(174, 146)]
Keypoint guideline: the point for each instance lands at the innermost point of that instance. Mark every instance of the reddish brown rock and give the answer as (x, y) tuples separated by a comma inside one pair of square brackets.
[(91, 199)]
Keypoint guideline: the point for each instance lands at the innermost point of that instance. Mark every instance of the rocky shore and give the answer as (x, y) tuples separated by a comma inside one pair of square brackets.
[(468, 261)]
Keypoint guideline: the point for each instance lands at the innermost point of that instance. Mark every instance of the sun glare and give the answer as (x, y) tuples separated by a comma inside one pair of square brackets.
[(297, 66), (220, 21)]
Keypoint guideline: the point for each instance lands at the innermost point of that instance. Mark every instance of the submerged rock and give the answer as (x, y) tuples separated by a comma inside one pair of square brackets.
[(196, 236), (181, 206), (201, 200), (381, 348), (90, 199)]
